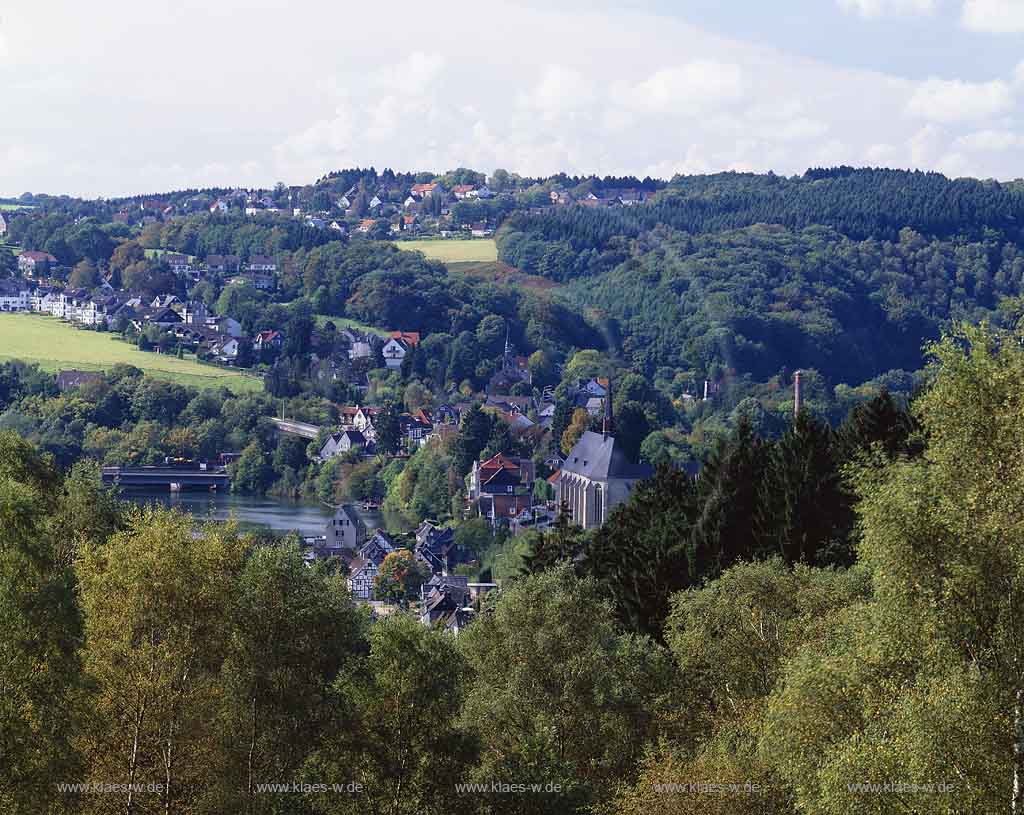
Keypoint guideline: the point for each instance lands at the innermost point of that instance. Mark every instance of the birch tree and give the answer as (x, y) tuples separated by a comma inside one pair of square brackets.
[(156, 597)]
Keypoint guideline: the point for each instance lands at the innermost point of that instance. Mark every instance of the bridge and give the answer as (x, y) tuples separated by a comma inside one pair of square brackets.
[(307, 431), (175, 479)]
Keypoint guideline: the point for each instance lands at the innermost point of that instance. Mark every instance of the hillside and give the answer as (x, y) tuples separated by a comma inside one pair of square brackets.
[(848, 272)]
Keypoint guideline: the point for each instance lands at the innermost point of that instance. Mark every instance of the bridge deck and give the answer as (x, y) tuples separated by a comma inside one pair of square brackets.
[(169, 477)]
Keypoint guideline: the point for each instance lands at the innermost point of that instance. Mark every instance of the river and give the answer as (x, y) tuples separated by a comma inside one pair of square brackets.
[(252, 512)]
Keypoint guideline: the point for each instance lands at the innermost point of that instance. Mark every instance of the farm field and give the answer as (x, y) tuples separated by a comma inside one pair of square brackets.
[(454, 250), (55, 346), (14, 207)]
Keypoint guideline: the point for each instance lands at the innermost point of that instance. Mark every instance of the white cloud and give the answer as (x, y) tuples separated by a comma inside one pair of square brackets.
[(882, 8), (953, 100), (994, 16), (439, 96), (880, 154), (926, 146), (988, 141), (560, 90), (686, 89), (415, 74)]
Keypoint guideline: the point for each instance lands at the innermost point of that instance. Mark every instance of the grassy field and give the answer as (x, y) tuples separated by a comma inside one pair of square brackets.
[(453, 250), (156, 253), (345, 322), (56, 346), (14, 207)]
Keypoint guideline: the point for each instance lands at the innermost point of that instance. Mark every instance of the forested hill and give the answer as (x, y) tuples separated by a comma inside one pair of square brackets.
[(845, 271), (569, 242), (764, 298)]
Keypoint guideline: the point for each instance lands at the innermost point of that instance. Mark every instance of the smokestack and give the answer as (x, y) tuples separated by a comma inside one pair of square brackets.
[(796, 394), (705, 390), (606, 426)]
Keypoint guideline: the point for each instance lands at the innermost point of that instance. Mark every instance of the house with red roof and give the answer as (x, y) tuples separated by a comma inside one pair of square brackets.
[(35, 264), (502, 487)]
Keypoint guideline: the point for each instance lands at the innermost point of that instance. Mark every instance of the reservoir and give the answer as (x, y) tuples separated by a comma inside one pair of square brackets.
[(251, 512)]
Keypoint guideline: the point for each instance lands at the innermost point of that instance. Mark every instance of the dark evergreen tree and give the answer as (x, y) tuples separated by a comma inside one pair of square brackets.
[(389, 430), (804, 513), (474, 434), (645, 552), (728, 496), (880, 421)]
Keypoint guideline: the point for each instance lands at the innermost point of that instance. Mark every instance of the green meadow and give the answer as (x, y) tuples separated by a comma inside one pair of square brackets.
[(55, 346)]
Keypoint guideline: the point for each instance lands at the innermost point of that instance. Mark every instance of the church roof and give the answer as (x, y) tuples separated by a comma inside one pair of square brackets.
[(597, 457)]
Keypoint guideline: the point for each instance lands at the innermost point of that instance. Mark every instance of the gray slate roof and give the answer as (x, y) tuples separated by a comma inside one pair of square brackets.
[(597, 457)]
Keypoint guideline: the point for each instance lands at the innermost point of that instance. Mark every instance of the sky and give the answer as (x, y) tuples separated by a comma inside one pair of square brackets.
[(125, 97)]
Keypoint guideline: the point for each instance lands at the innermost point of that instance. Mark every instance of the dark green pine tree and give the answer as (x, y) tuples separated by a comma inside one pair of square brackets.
[(880, 421), (644, 553), (560, 421), (729, 497), (804, 513), (389, 429), (474, 433), (563, 541)]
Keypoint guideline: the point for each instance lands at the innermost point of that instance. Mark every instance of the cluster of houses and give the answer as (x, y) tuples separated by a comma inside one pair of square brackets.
[(216, 337), (260, 271), (626, 197), (357, 429), (446, 599)]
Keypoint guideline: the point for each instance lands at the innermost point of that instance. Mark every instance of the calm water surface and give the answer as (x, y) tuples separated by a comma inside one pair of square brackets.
[(251, 512)]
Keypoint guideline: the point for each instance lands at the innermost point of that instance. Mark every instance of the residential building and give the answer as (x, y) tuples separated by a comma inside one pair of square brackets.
[(35, 264), (14, 296), (366, 565), (446, 603), (262, 263), (223, 264), (435, 546), (345, 530), (343, 442), (423, 190), (268, 339), (502, 487)]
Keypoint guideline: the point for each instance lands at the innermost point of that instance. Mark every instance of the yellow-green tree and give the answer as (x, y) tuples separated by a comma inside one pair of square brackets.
[(579, 424), (924, 685), (40, 628), (156, 597)]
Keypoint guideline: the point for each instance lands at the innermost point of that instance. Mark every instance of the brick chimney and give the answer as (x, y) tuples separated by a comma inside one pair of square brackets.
[(796, 394)]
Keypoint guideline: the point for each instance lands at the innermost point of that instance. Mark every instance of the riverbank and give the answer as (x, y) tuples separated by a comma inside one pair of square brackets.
[(251, 512)]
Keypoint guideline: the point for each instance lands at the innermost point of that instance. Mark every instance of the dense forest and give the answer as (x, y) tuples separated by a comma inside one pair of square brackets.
[(845, 271)]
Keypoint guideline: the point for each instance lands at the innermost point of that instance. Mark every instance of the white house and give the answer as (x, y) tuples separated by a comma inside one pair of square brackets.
[(32, 262), (394, 352), (14, 297), (262, 264), (345, 530)]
